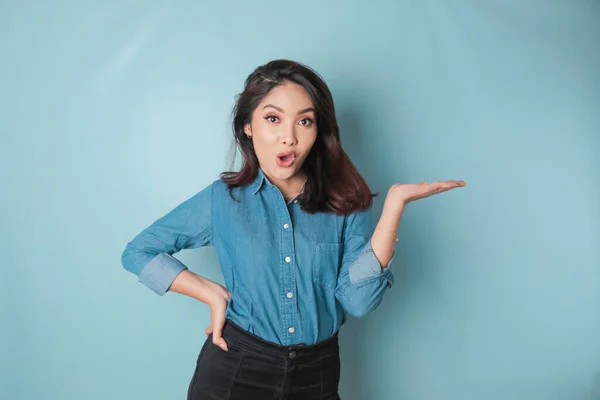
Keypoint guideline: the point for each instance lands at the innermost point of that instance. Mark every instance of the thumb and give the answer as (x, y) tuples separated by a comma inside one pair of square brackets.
[(221, 343), (218, 340), (208, 330)]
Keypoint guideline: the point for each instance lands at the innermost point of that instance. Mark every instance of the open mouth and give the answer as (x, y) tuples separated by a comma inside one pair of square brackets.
[(286, 159)]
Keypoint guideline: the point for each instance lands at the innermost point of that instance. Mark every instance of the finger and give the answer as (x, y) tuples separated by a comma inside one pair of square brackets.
[(456, 183), (225, 293), (208, 330), (221, 343), (448, 185), (438, 187), (445, 186), (451, 183), (217, 339), (432, 185)]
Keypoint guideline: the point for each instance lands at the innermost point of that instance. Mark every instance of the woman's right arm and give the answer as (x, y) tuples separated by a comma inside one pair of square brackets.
[(209, 292), (150, 257)]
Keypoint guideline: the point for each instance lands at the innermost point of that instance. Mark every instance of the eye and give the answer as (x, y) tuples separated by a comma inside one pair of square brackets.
[(307, 122), (272, 119)]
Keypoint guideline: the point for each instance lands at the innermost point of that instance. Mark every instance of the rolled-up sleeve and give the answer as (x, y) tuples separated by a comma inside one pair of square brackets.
[(362, 281), (149, 255)]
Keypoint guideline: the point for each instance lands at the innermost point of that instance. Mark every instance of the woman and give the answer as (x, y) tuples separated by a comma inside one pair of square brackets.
[(294, 238)]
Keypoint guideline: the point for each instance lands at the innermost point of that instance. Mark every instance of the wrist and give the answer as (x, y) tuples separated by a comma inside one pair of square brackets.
[(393, 204), (212, 293), (203, 291), (390, 215)]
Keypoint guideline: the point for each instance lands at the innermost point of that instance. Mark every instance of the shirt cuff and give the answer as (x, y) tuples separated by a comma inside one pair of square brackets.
[(160, 272), (367, 267)]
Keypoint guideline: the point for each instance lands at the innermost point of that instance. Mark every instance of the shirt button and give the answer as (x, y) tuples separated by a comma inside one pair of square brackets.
[(291, 330), (287, 259), (290, 295), (285, 226), (295, 201)]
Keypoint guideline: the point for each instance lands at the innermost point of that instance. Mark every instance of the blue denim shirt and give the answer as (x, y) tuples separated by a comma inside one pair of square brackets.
[(292, 275)]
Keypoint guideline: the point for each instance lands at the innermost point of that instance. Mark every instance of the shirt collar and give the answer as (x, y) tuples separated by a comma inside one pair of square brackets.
[(258, 181)]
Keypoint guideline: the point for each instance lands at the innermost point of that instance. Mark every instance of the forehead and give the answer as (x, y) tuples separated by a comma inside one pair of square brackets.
[(291, 97)]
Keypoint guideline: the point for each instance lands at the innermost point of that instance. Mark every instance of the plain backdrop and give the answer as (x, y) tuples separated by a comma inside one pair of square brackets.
[(114, 112)]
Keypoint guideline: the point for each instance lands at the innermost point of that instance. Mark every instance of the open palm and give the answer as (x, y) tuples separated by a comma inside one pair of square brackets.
[(408, 192)]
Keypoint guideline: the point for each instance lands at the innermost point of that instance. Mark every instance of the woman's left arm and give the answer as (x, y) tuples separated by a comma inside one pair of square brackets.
[(385, 236), (365, 273)]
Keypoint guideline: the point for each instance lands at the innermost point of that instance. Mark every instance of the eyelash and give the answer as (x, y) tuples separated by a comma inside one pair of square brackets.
[(310, 121)]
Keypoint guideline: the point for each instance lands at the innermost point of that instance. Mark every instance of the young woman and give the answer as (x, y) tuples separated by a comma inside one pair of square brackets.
[(294, 238)]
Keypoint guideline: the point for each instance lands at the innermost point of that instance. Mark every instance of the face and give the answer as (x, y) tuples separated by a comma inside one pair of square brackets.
[(283, 130)]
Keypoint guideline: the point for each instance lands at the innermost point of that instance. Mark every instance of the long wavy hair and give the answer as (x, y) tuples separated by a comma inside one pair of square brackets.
[(333, 182)]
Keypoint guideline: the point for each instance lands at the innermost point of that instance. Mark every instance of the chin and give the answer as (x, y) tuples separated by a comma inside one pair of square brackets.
[(283, 173)]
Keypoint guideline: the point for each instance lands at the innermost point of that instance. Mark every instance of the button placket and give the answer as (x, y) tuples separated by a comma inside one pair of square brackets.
[(288, 273)]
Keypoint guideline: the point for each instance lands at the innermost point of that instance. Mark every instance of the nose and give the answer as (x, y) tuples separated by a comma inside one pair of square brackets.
[(289, 136)]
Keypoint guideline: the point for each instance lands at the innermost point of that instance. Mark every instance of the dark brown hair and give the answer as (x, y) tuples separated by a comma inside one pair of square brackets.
[(334, 184)]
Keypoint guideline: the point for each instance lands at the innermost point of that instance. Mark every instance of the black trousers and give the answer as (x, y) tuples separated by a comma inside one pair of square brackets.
[(256, 369)]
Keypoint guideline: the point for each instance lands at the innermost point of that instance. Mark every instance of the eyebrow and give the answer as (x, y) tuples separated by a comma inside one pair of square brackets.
[(281, 110)]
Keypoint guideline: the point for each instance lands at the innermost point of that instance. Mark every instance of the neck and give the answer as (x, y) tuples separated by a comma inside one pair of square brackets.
[(290, 187)]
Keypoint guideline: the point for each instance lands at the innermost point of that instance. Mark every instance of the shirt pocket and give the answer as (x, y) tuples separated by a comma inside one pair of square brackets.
[(326, 258)]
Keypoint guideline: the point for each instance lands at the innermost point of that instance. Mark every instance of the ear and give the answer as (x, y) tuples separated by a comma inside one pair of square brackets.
[(248, 130)]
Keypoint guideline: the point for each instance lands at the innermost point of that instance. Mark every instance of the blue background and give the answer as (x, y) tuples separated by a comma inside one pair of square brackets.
[(112, 113)]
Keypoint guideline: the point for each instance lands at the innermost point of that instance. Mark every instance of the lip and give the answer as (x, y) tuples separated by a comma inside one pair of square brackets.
[(287, 153), (291, 159)]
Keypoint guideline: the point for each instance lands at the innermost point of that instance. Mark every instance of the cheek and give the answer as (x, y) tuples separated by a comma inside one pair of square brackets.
[(264, 141), (260, 147), (309, 142), (264, 144), (264, 132)]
